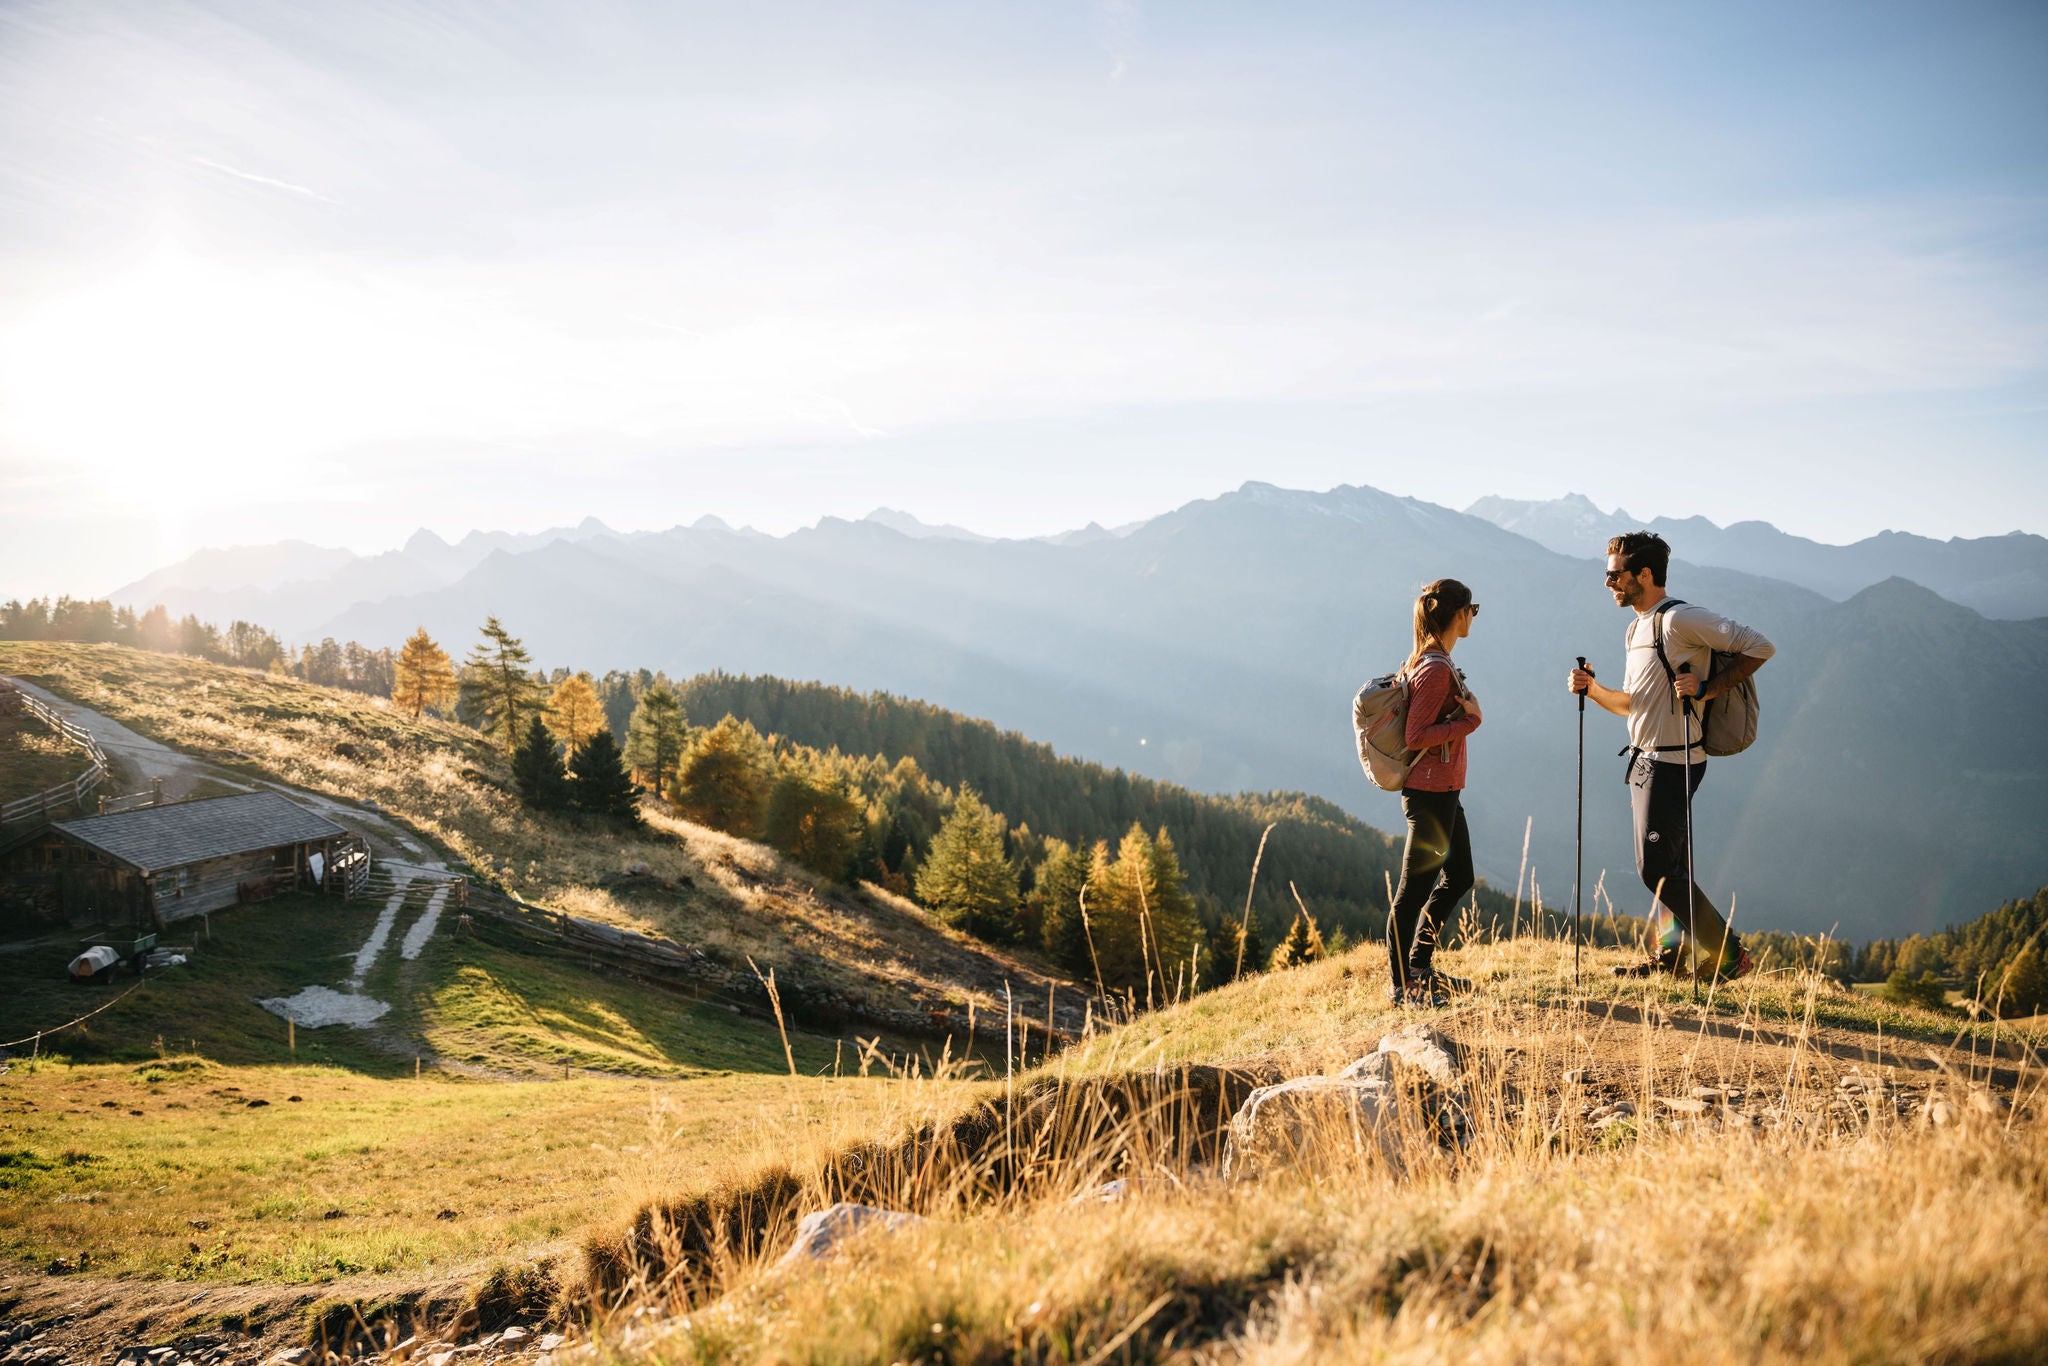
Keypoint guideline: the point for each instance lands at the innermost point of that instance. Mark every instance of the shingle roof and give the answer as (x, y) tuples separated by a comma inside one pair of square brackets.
[(153, 838)]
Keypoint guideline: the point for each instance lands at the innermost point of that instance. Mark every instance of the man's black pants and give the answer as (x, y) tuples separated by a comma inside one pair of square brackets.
[(1656, 793)]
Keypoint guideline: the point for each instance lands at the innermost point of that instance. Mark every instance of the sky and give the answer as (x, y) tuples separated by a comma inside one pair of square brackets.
[(337, 272)]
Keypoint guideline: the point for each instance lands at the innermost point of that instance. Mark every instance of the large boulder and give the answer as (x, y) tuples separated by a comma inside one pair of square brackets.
[(1416, 1074), (1313, 1120), (1421, 1047), (820, 1234)]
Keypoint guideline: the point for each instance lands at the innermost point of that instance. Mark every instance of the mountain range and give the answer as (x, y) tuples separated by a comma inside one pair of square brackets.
[(2004, 577), (1899, 782)]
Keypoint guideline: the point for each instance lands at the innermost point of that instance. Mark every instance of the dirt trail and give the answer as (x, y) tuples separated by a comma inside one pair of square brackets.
[(182, 773)]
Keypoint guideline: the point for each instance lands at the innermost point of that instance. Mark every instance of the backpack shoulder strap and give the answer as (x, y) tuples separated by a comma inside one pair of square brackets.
[(1657, 634)]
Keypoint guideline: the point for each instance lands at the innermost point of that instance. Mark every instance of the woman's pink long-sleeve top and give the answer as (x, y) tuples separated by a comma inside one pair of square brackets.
[(1434, 694)]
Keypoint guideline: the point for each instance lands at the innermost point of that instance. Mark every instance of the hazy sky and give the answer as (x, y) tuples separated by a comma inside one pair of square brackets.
[(336, 271)]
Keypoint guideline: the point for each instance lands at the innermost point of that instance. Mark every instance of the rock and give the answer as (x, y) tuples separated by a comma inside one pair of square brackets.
[(1859, 1081), (638, 868), (1989, 1103), (549, 1342), (447, 1214), (1620, 1109), (370, 804), (513, 1334), (1420, 1046), (1311, 1117), (1372, 1067), (1713, 1095), (1684, 1105), (290, 1356), (1575, 1076), (819, 1234)]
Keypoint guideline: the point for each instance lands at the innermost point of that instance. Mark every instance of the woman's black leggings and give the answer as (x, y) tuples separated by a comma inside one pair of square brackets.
[(1436, 873)]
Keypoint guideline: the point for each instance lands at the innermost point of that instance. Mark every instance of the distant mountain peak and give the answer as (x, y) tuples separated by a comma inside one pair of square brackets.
[(711, 522), (903, 523), (424, 541)]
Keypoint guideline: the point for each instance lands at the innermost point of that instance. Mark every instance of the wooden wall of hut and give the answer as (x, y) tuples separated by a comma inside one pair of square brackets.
[(210, 885)]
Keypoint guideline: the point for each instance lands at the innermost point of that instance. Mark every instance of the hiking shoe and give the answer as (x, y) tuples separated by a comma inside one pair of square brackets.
[(1455, 986), (1741, 967), (1426, 995), (1652, 966)]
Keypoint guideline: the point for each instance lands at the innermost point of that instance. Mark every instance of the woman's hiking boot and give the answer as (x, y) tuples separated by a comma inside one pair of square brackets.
[(1425, 994)]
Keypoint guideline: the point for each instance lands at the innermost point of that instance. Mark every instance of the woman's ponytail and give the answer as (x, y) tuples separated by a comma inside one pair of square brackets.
[(1434, 608)]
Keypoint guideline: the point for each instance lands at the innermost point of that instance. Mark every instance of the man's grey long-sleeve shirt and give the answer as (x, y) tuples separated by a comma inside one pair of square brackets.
[(1691, 635)]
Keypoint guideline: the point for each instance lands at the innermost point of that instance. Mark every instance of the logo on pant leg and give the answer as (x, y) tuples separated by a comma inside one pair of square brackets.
[(1652, 837)]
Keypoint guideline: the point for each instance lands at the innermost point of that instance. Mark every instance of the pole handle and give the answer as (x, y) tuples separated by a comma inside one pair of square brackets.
[(1582, 691)]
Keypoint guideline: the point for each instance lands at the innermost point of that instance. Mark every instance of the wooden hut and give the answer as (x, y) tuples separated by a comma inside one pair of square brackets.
[(165, 863)]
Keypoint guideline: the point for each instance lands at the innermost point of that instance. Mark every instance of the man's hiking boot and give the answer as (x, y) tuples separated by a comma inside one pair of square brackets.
[(1666, 961), (1455, 986)]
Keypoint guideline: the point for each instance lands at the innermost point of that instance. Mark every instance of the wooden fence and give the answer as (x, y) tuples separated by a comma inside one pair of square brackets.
[(41, 805)]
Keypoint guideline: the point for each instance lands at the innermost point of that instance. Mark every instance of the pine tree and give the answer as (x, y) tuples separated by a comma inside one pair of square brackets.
[(725, 779), (655, 736), (574, 713), (1176, 930), (814, 822), (1061, 879), (537, 773), (967, 878), (423, 676), (1304, 944), (498, 689), (599, 785)]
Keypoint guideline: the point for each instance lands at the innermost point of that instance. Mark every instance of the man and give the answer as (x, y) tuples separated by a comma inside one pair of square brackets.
[(1662, 698)]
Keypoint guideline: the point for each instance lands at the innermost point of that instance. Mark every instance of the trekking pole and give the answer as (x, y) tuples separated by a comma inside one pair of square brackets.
[(1692, 910), (1579, 855)]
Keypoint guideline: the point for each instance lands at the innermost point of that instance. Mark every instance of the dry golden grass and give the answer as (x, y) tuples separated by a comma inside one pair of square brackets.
[(34, 759), (1795, 1219)]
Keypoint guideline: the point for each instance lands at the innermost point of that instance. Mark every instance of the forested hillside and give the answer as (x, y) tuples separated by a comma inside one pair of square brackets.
[(1338, 864)]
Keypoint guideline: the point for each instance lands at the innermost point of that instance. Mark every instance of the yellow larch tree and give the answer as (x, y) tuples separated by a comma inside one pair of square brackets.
[(574, 713), (422, 675)]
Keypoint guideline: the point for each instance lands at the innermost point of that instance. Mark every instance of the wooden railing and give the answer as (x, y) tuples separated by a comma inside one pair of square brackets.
[(42, 804)]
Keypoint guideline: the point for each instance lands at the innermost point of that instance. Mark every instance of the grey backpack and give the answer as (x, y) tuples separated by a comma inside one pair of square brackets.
[(1727, 722), (1379, 719)]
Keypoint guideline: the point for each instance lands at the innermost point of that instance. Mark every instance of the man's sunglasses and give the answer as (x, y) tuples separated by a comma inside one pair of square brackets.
[(1614, 575)]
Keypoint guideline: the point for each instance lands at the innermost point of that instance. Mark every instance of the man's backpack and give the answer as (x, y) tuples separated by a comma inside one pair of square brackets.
[(1727, 722), (1379, 719)]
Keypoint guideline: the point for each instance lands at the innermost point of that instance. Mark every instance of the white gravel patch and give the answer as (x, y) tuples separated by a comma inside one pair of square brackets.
[(423, 928), (380, 935), (318, 1006)]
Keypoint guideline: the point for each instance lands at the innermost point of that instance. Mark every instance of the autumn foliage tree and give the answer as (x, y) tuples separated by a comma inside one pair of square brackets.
[(725, 779), (423, 675), (574, 714), (816, 823)]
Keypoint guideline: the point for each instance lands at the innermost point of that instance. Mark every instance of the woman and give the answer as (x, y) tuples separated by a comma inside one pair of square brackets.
[(1436, 865)]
